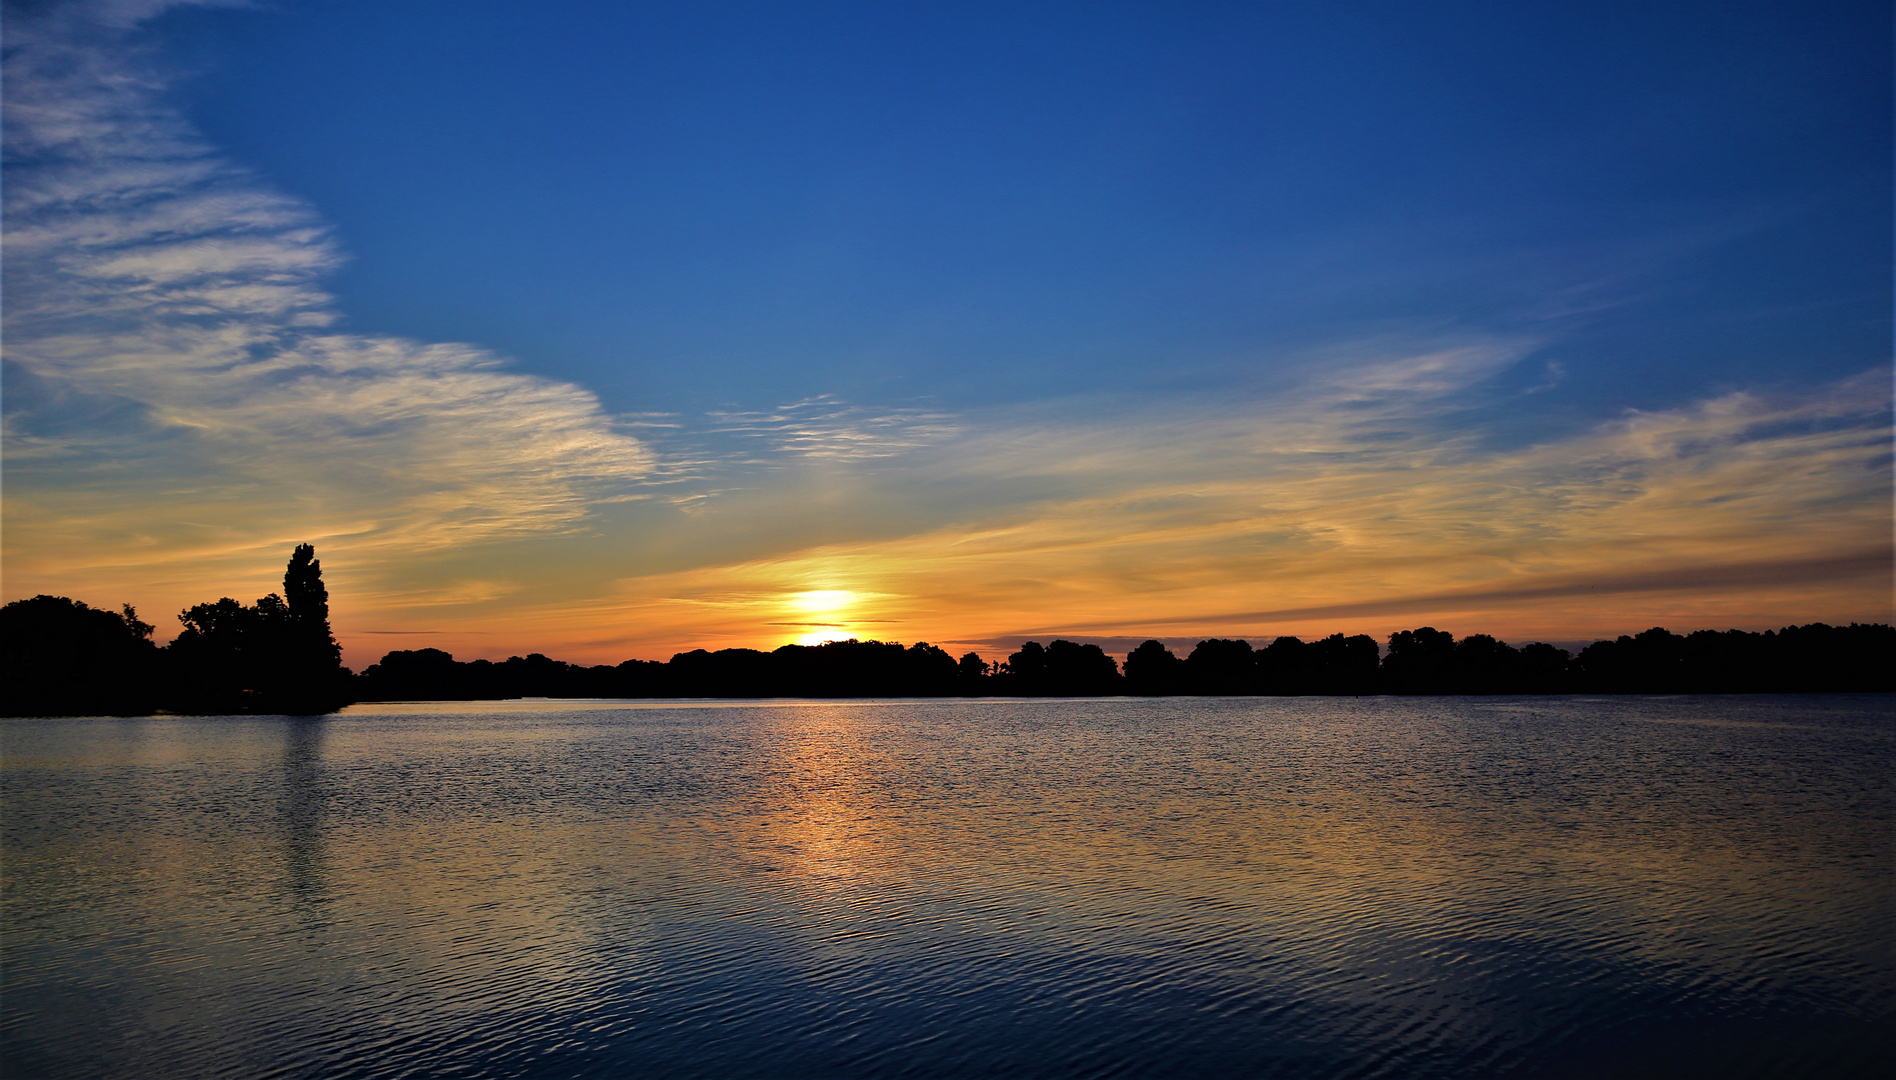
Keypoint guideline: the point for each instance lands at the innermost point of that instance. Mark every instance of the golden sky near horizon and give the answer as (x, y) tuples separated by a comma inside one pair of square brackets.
[(1739, 512)]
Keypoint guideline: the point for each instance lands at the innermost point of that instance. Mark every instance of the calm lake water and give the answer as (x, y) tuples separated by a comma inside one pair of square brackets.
[(1568, 887)]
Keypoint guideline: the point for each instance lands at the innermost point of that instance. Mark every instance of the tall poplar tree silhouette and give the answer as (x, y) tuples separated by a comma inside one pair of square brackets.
[(314, 656), (308, 601)]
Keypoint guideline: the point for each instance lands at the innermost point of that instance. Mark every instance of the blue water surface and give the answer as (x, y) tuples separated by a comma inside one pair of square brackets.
[(1399, 887)]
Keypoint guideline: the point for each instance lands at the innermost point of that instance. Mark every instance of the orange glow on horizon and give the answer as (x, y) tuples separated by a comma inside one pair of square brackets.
[(1687, 520)]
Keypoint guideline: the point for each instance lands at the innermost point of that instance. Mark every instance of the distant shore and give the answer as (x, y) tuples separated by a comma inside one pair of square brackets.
[(78, 667), (1796, 659)]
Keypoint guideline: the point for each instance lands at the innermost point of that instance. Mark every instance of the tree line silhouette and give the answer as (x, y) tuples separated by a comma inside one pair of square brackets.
[(278, 655), (1811, 658), (63, 658)]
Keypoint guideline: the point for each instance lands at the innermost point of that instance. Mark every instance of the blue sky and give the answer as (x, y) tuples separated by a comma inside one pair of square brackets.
[(614, 328), (687, 206)]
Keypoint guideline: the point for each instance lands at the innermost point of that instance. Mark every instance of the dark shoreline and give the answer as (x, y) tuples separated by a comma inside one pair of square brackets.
[(1815, 658), (63, 658)]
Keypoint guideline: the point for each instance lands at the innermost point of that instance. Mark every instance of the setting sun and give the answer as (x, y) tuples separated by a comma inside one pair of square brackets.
[(823, 601), (826, 604)]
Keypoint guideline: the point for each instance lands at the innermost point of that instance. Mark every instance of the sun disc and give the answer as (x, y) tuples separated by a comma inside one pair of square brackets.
[(823, 599)]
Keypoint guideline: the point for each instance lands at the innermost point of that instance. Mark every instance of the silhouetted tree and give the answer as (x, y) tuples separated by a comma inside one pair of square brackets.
[(926, 669), (1333, 665), (226, 657), (639, 678), (60, 657), (970, 672), (1284, 667), (1814, 657), (1074, 669), (317, 656), (1431, 661), (276, 656), (416, 675), (1651, 662), (538, 675), (1485, 665), (1340, 665), (1152, 669), (1027, 669), (1545, 669), (725, 673), (1818, 656), (1420, 661), (1222, 666), (855, 668)]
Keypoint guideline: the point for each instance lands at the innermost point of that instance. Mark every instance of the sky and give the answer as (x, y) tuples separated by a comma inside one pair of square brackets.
[(612, 330)]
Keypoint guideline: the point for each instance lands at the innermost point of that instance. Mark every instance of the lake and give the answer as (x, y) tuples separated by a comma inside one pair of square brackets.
[(1399, 887)]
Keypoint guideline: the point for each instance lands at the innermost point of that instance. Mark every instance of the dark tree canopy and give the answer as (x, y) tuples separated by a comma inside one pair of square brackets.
[(1028, 667), (1063, 667), (1420, 661), (1152, 669), (1222, 666), (1333, 665), (62, 657), (1075, 669)]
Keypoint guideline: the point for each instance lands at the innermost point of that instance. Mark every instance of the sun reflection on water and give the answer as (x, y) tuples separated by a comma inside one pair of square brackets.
[(771, 888)]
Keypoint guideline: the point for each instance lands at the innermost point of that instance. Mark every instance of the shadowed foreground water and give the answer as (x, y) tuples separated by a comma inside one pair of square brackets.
[(1239, 887)]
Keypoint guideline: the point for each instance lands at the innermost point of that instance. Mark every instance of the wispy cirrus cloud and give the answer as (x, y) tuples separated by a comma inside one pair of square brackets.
[(827, 428), (1342, 504), (175, 382)]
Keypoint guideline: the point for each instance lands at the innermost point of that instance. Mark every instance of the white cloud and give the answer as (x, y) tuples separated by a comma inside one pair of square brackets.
[(153, 283), (1742, 509), (828, 428)]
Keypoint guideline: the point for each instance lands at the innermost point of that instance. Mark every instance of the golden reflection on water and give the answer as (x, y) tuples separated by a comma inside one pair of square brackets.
[(1099, 864), (829, 832)]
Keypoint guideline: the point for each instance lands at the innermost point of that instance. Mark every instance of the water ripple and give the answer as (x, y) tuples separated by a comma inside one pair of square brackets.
[(1274, 888)]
